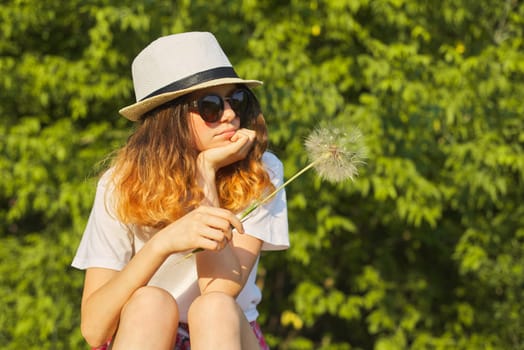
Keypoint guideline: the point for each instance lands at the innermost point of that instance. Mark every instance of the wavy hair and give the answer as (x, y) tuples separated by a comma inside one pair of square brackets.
[(154, 173)]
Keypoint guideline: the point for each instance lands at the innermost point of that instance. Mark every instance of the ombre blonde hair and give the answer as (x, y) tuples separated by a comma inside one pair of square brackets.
[(154, 173)]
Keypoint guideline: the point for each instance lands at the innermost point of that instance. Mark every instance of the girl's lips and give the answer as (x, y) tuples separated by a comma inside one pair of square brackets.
[(227, 134)]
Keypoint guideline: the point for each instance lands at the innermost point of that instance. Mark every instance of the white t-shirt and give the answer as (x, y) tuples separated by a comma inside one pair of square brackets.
[(108, 243)]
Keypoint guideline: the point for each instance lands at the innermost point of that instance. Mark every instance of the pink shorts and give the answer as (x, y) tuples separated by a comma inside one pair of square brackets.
[(182, 339)]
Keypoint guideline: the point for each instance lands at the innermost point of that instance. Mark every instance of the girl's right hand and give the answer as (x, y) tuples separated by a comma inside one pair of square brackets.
[(204, 227)]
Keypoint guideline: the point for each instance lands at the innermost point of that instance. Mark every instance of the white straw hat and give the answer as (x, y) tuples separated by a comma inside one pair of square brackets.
[(175, 65)]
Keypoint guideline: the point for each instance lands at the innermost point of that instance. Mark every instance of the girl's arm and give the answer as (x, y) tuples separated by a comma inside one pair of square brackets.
[(106, 291), (225, 270), (228, 270)]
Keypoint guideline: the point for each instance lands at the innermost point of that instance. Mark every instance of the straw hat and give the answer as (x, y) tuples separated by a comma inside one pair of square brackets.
[(175, 65)]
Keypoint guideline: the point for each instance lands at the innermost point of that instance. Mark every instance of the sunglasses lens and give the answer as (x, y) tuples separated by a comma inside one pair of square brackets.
[(210, 108), (239, 101)]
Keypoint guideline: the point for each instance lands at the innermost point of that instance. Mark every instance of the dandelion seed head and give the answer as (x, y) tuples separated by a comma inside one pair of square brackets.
[(337, 154)]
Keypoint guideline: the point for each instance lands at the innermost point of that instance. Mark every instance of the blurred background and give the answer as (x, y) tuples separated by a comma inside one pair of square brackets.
[(424, 250)]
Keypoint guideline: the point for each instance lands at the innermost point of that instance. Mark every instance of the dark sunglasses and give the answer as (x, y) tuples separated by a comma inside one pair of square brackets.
[(211, 106)]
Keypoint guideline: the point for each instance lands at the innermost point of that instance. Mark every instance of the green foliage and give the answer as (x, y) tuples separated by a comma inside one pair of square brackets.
[(423, 251)]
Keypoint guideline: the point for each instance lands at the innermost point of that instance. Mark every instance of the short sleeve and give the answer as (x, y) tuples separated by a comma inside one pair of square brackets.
[(106, 242), (269, 222)]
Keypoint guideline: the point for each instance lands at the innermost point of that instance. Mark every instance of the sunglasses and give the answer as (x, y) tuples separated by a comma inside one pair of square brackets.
[(211, 106)]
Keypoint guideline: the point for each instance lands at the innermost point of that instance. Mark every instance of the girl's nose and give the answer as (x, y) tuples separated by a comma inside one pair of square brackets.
[(229, 114)]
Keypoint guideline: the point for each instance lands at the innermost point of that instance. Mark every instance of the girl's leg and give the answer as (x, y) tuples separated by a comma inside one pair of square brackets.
[(217, 322), (149, 320)]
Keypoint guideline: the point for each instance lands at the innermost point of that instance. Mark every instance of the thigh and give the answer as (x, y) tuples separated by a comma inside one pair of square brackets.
[(249, 337)]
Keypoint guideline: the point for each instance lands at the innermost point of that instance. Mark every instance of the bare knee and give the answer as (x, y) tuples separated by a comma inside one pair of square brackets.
[(149, 318), (214, 307), (151, 302), (216, 321)]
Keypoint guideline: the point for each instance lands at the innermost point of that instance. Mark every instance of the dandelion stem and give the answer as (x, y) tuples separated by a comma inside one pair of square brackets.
[(258, 203), (335, 154), (255, 205)]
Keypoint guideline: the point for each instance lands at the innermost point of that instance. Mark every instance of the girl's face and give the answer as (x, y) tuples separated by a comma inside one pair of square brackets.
[(216, 134)]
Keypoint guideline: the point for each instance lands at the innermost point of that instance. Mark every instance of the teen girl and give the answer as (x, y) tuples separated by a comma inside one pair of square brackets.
[(196, 159)]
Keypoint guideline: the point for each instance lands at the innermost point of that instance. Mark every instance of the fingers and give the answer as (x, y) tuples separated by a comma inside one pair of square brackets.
[(215, 227), (220, 218), (241, 147), (245, 136), (221, 244), (238, 148), (213, 241), (208, 244)]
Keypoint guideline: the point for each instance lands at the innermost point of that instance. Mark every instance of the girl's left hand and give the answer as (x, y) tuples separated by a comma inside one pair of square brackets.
[(241, 143)]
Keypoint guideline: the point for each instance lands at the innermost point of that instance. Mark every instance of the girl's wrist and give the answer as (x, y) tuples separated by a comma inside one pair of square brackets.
[(158, 246), (206, 180), (206, 170)]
